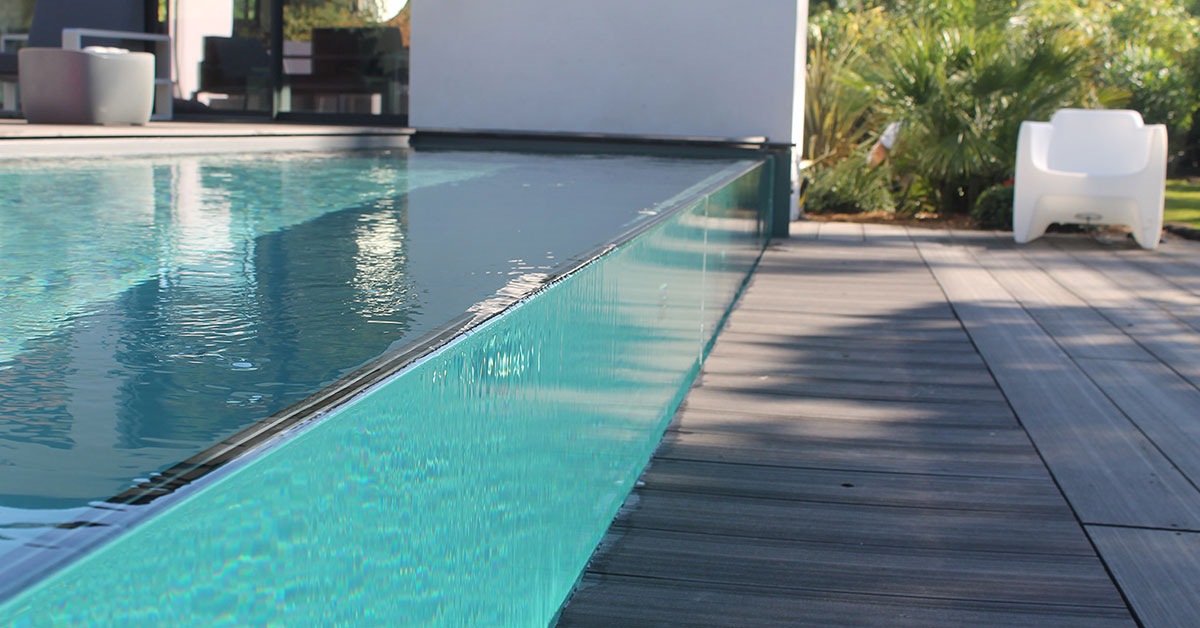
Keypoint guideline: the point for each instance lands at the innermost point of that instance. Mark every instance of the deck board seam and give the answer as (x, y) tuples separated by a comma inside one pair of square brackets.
[(869, 397), (794, 500), (781, 374), (919, 474), (619, 525), (861, 502), (1123, 526)]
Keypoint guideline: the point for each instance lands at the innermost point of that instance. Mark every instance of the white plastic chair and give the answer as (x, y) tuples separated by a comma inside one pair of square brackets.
[(1090, 167)]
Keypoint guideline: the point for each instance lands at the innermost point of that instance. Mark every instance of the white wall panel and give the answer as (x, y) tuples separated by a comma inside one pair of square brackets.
[(649, 67)]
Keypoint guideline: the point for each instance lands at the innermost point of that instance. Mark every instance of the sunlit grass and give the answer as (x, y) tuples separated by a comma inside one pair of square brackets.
[(1183, 203)]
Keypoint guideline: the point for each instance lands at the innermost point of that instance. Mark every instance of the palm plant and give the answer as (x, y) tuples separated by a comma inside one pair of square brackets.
[(838, 111), (961, 81)]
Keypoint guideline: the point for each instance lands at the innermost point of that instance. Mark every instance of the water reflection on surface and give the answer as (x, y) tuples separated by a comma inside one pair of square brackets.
[(151, 307)]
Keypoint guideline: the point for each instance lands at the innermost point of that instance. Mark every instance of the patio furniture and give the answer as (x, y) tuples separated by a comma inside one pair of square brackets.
[(235, 66), (1090, 167), (72, 39), (104, 22), (89, 86)]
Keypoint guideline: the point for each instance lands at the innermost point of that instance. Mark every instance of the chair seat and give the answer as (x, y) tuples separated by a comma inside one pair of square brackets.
[(89, 86)]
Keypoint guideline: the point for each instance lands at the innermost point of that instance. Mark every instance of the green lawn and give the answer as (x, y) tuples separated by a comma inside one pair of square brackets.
[(1183, 203)]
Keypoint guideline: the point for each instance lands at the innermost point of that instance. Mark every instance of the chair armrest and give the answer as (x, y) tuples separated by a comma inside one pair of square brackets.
[(1157, 157), (1033, 143)]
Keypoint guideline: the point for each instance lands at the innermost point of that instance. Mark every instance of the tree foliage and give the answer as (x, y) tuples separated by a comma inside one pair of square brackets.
[(15, 15), (838, 110), (961, 76), (301, 16)]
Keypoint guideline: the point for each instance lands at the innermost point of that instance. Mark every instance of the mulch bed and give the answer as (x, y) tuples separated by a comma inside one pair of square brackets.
[(884, 218)]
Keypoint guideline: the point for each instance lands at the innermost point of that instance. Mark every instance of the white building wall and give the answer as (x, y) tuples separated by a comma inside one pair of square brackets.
[(698, 68), (193, 20)]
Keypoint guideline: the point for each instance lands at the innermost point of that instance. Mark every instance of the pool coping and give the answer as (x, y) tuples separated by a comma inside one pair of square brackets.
[(25, 141)]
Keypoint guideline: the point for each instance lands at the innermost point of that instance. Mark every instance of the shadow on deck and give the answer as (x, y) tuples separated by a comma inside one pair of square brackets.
[(909, 427)]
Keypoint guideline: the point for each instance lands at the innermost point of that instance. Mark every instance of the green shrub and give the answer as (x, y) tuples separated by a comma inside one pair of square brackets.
[(962, 75), (849, 187), (837, 106), (994, 208)]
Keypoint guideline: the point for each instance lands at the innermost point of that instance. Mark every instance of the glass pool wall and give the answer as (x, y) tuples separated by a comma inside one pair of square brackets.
[(468, 490)]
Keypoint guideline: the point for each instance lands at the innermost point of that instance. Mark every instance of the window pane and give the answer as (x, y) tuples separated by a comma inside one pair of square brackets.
[(222, 51), (345, 56)]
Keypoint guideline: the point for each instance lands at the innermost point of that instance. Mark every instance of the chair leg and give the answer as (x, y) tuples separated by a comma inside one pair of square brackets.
[(1148, 231), (1026, 225)]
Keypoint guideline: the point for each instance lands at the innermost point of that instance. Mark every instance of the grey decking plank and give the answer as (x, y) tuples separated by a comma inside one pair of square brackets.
[(797, 385), (819, 303), (840, 232), (755, 322), (608, 601), (857, 525), (887, 235), (824, 264), (1159, 571), (878, 327), (1175, 264), (822, 349), (1151, 288), (817, 278), (728, 362), (824, 320), (907, 571), (892, 287), (790, 287), (735, 332), (1079, 329), (815, 255), (1165, 406), (829, 266), (1108, 470), (769, 407), (850, 445), (915, 433), (854, 486), (825, 267), (804, 229), (843, 249), (1174, 343)]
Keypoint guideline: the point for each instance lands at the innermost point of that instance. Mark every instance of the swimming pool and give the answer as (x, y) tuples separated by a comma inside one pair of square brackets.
[(207, 294)]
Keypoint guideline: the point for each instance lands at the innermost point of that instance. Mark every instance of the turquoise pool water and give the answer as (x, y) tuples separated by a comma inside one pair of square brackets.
[(467, 490)]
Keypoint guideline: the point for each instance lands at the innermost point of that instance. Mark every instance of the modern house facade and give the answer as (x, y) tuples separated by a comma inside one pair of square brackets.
[(676, 68)]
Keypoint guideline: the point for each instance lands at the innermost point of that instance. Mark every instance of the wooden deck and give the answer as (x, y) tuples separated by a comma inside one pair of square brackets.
[(905, 427)]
